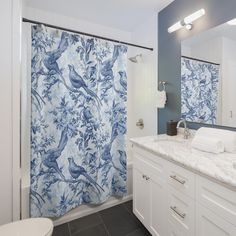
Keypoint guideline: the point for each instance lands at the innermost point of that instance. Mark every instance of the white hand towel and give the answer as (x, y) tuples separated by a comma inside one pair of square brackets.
[(161, 99), (227, 137), (207, 144)]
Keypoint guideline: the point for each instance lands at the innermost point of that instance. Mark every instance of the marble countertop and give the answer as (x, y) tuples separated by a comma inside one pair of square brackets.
[(220, 167)]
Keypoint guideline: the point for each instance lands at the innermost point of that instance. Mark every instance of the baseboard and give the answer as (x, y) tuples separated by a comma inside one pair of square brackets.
[(86, 210)]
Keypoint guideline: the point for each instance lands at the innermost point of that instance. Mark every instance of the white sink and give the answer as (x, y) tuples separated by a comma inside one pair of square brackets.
[(170, 141), (173, 143)]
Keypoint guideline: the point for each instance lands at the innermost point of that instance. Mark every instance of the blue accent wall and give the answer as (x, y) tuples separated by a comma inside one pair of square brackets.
[(169, 47)]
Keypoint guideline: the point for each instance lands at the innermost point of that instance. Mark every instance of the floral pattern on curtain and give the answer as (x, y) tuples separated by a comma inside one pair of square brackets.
[(199, 90), (78, 121)]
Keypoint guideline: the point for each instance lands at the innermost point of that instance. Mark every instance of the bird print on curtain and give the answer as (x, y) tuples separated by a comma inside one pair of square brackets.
[(199, 91), (78, 121)]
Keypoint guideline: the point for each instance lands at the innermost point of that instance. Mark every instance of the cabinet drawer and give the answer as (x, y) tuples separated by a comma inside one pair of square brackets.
[(210, 224), (181, 179), (181, 211), (217, 198)]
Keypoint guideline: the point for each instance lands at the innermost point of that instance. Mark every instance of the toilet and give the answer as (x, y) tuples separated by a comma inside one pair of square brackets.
[(28, 227)]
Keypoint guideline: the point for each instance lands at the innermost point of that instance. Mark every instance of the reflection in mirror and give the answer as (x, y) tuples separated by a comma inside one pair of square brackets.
[(208, 76)]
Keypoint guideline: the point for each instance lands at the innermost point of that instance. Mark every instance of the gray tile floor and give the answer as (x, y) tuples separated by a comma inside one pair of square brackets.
[(116, 221)]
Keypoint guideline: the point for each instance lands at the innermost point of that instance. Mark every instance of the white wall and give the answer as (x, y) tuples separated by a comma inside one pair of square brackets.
[(144, 79), (6, 112), (75, 24), (210, 50), (10, 23)]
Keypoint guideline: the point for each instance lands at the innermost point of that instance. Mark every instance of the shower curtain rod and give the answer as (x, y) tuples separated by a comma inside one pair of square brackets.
[(196, 59), (86, 34)]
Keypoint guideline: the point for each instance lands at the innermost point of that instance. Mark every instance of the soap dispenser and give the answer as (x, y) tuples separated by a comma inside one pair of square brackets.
[(171, 129)]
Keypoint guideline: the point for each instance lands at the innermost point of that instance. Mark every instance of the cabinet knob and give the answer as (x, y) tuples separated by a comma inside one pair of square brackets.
[(140, 123), (146, 177)]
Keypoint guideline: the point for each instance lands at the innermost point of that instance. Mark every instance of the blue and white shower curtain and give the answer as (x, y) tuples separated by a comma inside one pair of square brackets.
[(199, 90), (78, 121)]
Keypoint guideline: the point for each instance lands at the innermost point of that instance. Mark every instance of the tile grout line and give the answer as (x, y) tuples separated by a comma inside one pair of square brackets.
[(68, 225), (126, 208), (132, 214), (103, 222), (89, 227), (108, 233)]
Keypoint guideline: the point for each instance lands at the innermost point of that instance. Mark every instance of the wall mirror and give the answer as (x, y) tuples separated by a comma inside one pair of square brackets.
[(208, 76)]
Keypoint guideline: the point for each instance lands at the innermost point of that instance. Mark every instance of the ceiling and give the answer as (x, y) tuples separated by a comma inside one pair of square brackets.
[(120, 14)]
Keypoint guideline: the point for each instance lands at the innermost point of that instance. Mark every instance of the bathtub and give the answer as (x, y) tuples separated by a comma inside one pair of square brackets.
[(82, 210)]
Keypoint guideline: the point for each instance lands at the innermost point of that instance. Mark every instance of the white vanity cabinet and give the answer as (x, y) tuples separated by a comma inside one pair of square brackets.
[(173, 201)]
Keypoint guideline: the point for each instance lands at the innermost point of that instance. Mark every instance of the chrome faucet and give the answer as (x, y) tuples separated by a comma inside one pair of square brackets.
[(186, 130)]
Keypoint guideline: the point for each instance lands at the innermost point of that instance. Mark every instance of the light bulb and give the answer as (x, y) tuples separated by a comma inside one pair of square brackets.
[(232, 22), (191, 18), (175, 27)]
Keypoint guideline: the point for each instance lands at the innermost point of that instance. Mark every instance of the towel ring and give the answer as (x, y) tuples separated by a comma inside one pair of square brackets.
[(163, 83)]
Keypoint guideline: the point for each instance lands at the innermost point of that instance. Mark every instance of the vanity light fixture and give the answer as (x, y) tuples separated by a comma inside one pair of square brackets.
[(232, 22), (187, 21)]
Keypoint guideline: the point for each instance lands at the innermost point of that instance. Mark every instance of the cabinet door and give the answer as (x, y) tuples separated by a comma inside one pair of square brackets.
[(210, 224), (157, 206), (140, 196)]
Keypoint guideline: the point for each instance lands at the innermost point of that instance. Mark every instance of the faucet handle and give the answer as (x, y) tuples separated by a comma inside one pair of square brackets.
[(140, 123), (186, 133)]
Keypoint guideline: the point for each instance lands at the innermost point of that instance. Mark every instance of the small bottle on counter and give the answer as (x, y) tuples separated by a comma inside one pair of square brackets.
[(171, 129)]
